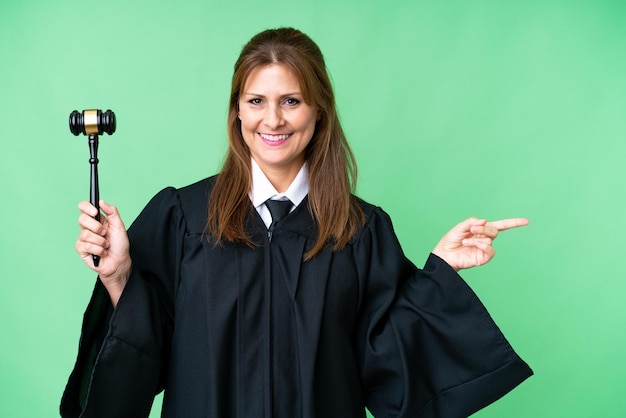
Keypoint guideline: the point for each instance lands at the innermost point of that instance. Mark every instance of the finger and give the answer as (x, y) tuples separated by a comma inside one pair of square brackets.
[(85, 249), (485, 231), (88, 237), (488, 252), (87, 208), (113, 216), (88, 223), (474, 221), (481, 243), (91, 244), (466, 225), (505, 224)]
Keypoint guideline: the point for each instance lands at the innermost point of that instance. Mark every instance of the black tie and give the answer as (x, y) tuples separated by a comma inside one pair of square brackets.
[(278, 209)]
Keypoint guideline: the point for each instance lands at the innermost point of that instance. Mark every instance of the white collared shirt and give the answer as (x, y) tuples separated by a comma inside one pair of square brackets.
[(262, 190)]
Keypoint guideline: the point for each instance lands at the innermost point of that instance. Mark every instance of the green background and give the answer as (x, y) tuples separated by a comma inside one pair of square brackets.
[(453, 108)]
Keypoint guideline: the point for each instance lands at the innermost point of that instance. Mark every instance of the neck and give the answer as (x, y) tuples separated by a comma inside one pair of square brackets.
[(281, 178)]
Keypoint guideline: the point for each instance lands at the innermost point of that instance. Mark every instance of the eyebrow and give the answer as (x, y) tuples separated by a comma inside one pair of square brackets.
[(261, 95)]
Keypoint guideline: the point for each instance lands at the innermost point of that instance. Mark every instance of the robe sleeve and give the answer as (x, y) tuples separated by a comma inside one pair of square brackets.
[(122, 354), (427, 346)]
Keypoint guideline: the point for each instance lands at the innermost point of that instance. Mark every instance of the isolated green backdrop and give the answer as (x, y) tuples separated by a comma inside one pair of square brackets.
[(453, 108)]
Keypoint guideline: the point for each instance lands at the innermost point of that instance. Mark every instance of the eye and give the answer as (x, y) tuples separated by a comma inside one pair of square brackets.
[(255, 101), (291, 101)]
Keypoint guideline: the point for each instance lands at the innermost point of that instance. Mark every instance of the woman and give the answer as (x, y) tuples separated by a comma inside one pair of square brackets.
[(239, 311)]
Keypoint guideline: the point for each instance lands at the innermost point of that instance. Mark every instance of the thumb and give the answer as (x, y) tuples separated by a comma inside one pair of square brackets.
[(465, 226), (113, 216)]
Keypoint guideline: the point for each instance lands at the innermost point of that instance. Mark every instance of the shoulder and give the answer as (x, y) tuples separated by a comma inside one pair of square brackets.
[(188, 203), (372, 212), (375, 218), (194, 203), (196, 193), (187, 196), (367, 208)]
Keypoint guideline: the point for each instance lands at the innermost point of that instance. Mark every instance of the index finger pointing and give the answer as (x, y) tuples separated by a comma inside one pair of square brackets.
[(505, 224)]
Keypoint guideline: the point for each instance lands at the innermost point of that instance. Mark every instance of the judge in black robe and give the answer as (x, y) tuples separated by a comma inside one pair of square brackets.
[(231, 330)]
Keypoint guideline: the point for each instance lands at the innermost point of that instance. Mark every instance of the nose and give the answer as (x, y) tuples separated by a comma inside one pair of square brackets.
[(273, 117)]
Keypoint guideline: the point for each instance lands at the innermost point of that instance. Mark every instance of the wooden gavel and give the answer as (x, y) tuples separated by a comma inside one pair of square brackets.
[(93, 122)]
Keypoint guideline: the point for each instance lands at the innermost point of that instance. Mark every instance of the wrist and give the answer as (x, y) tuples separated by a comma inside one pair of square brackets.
[(115, 282), (442, 255)]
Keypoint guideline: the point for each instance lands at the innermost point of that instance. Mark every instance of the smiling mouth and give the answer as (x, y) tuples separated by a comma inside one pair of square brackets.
[(274, 138)]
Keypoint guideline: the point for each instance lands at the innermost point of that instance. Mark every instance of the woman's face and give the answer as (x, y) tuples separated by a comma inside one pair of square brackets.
[(276, 123)]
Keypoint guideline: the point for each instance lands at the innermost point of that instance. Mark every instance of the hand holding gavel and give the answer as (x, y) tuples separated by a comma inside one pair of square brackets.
[(93, 122)]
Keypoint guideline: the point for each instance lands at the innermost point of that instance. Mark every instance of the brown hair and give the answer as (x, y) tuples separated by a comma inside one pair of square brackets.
[(331, 164)]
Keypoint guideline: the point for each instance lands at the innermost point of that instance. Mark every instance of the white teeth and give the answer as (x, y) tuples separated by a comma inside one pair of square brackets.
[(274, 138)]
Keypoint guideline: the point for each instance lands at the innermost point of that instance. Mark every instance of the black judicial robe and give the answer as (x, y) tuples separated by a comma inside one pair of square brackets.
[(233, 331)]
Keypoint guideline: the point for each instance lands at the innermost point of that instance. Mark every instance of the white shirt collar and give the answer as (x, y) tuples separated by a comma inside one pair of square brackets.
[(262, 190)]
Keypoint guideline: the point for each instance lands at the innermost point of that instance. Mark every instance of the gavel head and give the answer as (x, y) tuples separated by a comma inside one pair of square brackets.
[(92, 122)]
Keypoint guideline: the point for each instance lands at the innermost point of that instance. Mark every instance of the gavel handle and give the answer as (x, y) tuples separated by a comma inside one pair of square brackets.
[(94, 189)]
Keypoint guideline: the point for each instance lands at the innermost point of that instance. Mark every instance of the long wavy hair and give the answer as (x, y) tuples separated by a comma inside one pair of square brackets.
[(331, 164)]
